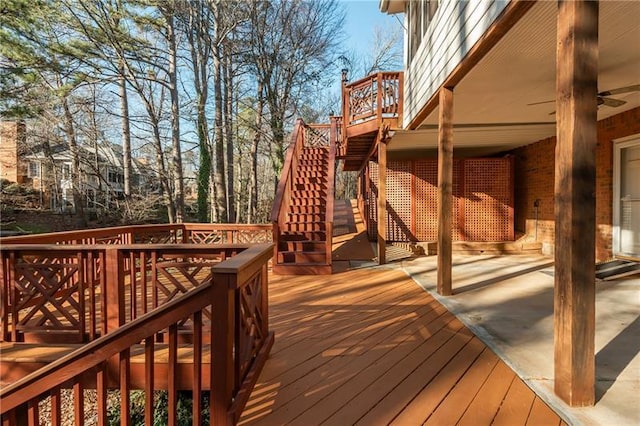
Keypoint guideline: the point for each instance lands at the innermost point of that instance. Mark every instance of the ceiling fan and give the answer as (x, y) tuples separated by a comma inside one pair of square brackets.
[(603, 98)]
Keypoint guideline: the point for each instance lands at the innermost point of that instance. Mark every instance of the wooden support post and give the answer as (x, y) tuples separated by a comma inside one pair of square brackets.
[(114, 289), (382, 201), (574, 291), (445, 189), (222, 363)]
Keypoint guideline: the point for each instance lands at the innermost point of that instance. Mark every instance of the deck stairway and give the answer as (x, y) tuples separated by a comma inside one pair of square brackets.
[(303, 211)]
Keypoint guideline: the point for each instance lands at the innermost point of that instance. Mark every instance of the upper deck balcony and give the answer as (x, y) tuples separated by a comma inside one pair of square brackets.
[(369, 104)]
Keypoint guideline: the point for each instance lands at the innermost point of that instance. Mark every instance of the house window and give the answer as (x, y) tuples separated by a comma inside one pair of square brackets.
[(66, 171), (34, 169), (115, 177), (420, 14)]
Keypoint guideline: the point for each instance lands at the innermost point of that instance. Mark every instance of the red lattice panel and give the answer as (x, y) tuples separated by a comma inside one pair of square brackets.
[(426, 193), (399, 201), (457, 222), (488, 200), (371, 201)]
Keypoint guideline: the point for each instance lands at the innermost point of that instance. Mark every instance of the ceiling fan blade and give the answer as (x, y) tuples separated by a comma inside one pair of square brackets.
[(614, 103), (619, 90), (539, 103)]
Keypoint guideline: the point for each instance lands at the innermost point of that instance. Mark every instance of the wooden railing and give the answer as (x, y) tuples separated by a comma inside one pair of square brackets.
[(336, 136), (331, 180), (197, 233), (317, 135), (282, 199), (226, 306), (376, 96)]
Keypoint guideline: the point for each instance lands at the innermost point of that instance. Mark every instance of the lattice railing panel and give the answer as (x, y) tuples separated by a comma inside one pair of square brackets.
[(316, 136), (362, 100), (47, 294), (208, 237), (251, 324), (161, 277), (156, 237), (252, 236)]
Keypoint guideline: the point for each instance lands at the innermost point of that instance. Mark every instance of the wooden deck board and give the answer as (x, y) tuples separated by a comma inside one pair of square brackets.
[(370, 347), (485, 404)]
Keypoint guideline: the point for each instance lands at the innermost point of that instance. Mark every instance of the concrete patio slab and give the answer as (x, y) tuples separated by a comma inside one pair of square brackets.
[(508, 302)]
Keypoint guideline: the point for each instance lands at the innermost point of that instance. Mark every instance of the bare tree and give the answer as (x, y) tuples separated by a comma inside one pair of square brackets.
[(292, 44)]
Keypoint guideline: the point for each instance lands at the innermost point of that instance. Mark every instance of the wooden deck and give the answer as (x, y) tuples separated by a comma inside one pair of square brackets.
[(369, 346)]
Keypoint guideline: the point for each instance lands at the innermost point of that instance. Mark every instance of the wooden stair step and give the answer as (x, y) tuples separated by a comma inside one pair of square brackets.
[(305, 226), (297, 257), (306, 217), (311, 193), (322, 180), (318, 155), (316, 149), (311, 174), (308, 201), (303, 235), (303, 245), (308, 209), (310, 187)]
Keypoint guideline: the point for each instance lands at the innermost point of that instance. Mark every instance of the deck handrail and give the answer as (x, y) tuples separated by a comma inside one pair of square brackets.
[(50, 280), (176, 233), (240, 338), (376, 96)]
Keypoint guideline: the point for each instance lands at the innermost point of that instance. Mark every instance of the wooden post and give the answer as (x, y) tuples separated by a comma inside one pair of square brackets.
[(222, 333), (114, 289), (445, 189), (574, 291), (382, 200)]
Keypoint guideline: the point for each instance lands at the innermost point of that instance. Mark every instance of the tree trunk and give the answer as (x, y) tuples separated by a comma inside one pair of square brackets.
[(277, 153), (253, 197), (176, 152), (126, 133), (70, 131), (219, 174), (228, 131)]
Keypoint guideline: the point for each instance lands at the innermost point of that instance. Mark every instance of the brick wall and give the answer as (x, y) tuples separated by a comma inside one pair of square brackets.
[(534, 180), (11, 140)]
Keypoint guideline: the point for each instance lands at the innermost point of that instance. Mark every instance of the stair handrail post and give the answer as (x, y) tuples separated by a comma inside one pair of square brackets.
[(379, 97)]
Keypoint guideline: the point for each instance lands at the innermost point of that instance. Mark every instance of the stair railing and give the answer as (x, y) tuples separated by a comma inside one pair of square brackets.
[(325, 135), (330, 202), (235, 297), (286, 183)]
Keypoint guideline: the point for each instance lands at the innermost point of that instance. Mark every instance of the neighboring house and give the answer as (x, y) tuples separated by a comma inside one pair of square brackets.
[(48, 170), (513, 118)]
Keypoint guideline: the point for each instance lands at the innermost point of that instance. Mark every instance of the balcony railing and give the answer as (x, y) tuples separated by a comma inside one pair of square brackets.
[(202, 305), (377, 96)]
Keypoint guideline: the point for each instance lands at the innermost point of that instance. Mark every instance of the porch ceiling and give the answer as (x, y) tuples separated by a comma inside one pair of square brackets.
[(492, 103)]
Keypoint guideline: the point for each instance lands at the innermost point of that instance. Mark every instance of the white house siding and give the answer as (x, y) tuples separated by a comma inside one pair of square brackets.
[(456, 27)]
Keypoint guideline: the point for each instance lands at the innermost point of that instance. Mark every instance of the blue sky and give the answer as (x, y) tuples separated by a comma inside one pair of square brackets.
[(361, 17)]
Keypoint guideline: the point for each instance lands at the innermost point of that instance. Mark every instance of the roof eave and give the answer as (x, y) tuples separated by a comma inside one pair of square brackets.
[(392, 6)]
